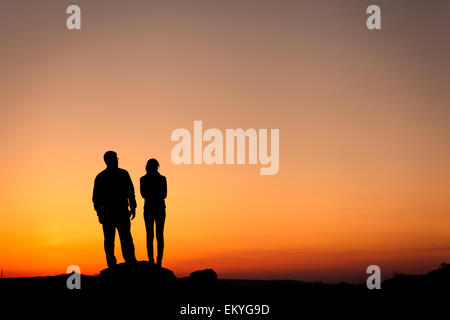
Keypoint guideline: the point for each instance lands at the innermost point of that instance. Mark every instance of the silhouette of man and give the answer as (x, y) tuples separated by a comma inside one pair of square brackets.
[(154, 191), (113, 194)]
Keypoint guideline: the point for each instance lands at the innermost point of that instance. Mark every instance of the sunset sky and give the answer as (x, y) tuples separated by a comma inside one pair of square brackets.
[(363, 116)]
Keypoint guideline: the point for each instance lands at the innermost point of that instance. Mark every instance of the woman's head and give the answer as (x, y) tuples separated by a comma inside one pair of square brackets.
[(152, 166)]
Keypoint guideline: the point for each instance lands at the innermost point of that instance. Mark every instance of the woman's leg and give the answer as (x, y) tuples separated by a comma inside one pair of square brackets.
[(149, 222), (159, 221)]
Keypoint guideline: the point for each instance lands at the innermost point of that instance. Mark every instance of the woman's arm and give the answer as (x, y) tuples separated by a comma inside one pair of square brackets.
[(142, 187), (164, 188)]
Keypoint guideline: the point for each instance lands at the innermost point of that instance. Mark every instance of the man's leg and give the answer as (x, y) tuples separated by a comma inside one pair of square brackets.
[(109, 233), (159, 221), (149, 225), (126, 240)]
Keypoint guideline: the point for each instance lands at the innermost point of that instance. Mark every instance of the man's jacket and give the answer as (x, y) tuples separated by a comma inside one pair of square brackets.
[(113, 191)]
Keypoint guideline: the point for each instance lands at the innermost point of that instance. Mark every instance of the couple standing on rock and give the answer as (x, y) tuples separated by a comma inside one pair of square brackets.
[(115, 203)]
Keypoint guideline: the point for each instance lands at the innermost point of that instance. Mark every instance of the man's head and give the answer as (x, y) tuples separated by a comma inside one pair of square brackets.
[(152, 166), (111, 159)]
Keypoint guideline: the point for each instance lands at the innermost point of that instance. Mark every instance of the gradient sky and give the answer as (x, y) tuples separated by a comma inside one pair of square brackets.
[(364, 133)]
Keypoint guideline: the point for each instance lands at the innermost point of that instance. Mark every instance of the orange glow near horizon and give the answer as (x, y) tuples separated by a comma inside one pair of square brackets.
[(364, 138)]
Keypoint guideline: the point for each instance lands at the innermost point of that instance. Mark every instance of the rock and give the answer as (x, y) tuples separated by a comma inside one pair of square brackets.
[(139, 274), (204, 276)]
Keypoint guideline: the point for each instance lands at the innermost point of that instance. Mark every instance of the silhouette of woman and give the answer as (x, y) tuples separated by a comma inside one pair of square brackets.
[(154, 191)]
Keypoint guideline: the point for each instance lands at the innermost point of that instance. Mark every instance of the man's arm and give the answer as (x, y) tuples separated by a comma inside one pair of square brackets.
[(96, 196), (131, 196), (96, 199)]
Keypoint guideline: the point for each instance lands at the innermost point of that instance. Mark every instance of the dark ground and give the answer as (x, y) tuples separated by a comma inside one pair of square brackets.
[(144, 291)]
